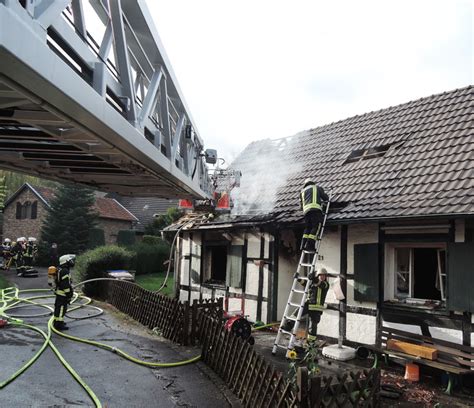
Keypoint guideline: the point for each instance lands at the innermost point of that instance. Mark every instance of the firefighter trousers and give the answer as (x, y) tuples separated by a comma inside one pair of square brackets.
[(313, 220), (60, 309)]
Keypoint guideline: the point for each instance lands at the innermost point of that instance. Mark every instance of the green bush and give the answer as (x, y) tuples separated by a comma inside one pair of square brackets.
[(96, 238), (152, 240), (126, 237), (95, 264), (150, 258)]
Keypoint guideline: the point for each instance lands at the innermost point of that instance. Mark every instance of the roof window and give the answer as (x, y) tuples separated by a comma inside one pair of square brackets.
[(370, 153)]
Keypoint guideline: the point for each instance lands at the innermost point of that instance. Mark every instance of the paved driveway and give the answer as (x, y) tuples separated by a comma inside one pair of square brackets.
[(117, 382)]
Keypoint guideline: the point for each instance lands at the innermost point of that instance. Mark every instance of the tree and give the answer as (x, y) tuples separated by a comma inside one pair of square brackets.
[(70, 219), (155, 227)]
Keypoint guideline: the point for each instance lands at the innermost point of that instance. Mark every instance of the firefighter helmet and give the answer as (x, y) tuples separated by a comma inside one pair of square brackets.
[(31, 239), (67, 260), (7, 241), (309, 181), (322, 271)]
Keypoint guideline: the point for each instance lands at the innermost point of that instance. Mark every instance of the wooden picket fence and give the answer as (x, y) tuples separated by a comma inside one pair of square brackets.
[(258, 384), (247, 373), (175, 320)]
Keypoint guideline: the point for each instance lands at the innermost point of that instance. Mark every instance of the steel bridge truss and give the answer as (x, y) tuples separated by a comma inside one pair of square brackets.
[(87, 95)]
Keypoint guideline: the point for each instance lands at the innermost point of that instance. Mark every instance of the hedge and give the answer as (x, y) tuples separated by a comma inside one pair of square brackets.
[(95, 264), (150, 258), (126, 238)]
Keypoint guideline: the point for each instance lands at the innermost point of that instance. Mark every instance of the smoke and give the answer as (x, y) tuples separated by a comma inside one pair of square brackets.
[(266, 166)]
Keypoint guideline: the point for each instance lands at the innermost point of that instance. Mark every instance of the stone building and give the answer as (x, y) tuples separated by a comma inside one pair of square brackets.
[(26, 210)]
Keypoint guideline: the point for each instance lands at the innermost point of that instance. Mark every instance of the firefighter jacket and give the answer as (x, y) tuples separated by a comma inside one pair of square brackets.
[(317, 296), (63, 283), (311, 198), (30, 251)]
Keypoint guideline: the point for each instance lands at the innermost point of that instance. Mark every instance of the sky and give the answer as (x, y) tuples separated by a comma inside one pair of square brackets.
[(256, 69)]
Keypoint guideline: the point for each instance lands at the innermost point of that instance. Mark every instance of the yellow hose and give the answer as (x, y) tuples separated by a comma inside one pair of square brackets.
[(10, 298)]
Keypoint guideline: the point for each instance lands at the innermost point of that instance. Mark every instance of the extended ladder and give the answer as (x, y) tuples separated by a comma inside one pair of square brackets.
[(305, 272)]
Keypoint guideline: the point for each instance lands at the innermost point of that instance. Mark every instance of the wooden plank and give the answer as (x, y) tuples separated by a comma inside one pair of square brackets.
[(268, 387), (412, 349)]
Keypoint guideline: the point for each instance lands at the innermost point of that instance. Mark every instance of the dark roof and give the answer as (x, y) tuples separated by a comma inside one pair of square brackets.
[(421, 165), (36, 190), (144, 208)]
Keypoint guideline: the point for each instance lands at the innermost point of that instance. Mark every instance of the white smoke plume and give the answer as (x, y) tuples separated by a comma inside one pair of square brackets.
[(266, 166)]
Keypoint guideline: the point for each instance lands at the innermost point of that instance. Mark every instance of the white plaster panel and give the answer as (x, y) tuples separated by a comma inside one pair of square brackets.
[(329, 324), (253, 245), (183, 295), (264, 312), (252, 279), (237, 239), (361, 328), (251, 309), (454, 336), (185, 271), (206, 292), (330, 252), (358, 234), (389, 279), (194, 295), (405, 327), (472, 318), (235, 305), (472, 339), (286, 269), (196, 263), (460, 230), (266, 274), (266, 248)]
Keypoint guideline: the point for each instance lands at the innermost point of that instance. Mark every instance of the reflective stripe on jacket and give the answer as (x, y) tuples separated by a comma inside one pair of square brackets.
[(318, 296), (309, 199), (63, 283)]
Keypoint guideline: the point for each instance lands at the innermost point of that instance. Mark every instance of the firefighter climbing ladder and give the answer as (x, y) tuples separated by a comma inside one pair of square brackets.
[(308, 269)]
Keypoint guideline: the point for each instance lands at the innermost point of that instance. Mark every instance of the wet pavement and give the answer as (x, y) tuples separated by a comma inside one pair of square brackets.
[(116, 382)]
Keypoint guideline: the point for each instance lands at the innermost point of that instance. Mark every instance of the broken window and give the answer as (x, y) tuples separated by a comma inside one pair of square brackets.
[(419, 272), (369, 153), (215, 264)]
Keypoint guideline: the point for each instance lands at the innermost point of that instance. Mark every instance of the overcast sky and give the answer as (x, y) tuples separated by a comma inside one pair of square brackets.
[(254, 69)]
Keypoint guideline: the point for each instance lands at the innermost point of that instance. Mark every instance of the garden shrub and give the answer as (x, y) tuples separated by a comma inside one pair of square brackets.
[(95, 264), (126, 237), (96, 238), (150, 258)]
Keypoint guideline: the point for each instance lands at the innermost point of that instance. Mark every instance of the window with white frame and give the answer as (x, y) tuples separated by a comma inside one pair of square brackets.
[(418, 271)]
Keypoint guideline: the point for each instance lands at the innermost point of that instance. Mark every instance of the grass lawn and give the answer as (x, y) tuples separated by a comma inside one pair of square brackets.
[(153, 281), (4, 283)]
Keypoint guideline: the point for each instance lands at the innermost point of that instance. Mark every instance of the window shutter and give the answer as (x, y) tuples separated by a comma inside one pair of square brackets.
[(18, 210), (34, 210), (366, 272), (234, 266), (460, 277)]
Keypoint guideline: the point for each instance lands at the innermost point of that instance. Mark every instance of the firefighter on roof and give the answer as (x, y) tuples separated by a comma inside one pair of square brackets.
[(63, 290), (311, 199)]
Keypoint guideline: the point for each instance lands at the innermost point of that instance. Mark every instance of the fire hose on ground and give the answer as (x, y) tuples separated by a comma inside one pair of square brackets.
[(10, 300)]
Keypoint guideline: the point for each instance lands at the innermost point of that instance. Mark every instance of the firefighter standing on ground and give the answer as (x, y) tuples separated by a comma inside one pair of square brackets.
[(317, 296), (312, 198), (63, 290)]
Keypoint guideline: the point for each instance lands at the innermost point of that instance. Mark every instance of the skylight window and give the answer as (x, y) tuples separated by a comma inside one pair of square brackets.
[(366, 154)]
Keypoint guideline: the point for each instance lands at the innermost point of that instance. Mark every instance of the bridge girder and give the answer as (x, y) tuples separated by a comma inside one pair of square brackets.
[(107, 113)]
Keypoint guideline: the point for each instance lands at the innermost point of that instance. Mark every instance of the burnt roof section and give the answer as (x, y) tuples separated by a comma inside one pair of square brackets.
[(411, 160)]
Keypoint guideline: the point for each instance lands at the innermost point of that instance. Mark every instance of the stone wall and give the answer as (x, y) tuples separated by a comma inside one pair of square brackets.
[(112, 227), (14, 228)]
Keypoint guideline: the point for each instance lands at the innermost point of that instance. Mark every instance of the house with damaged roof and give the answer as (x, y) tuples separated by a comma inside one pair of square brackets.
[(400, 229)]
